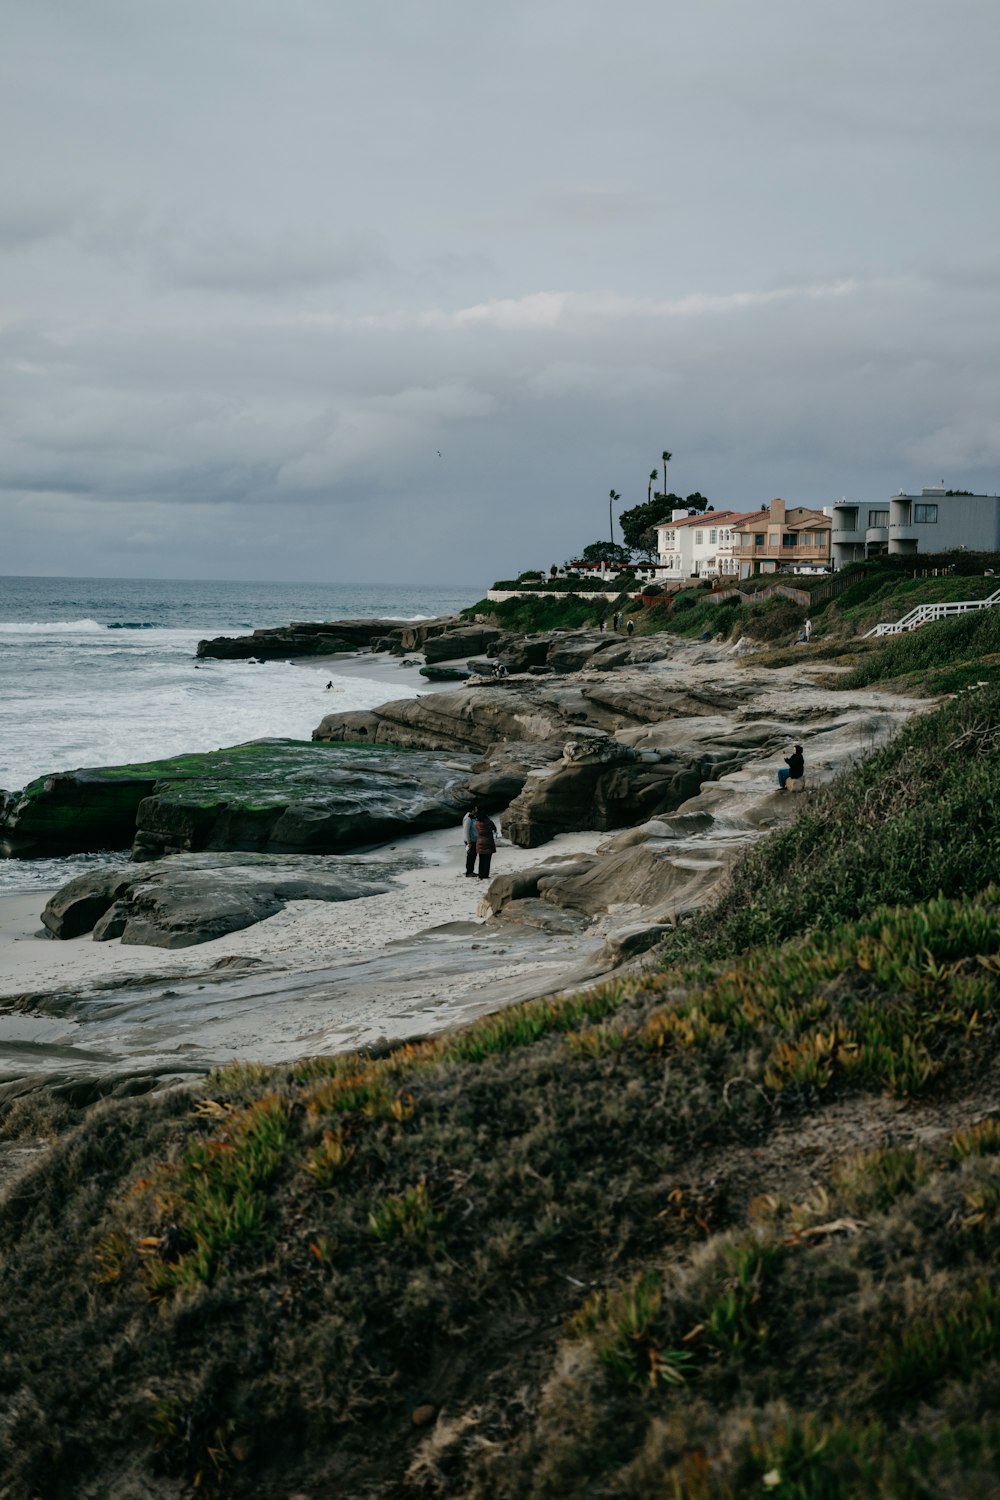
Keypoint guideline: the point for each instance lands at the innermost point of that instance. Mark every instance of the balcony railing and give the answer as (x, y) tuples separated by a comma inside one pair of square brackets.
[(806, 554)]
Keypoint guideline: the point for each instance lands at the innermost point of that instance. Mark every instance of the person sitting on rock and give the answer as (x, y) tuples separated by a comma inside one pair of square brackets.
[(485, 843), (793, 768)]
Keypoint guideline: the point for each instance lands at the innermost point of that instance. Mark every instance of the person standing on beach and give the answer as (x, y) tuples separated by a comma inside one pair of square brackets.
[(469, 835), (485, 845)]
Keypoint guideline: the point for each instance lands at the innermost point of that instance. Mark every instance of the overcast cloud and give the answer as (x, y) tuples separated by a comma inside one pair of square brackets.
[(307, 289)]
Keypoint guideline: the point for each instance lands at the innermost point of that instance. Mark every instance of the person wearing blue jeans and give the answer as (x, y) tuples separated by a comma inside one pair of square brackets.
[(794, 767), (469, 835)]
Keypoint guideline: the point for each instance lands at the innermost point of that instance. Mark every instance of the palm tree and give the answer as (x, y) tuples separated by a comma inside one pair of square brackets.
[(612, 497), (666, 457), (649, 487)]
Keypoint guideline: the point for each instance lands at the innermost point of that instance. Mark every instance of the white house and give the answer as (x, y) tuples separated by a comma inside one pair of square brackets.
[(699, 546), (936, 520)]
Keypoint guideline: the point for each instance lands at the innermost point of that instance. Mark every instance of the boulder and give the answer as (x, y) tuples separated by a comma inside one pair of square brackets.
[(468, 640), (292, 802), (444, 673), (521, 885), (193, 898), (277, 796), (83, 901), (74, 812)]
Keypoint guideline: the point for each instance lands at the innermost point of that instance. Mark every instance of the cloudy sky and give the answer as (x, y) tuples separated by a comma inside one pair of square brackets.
[(319, 289)]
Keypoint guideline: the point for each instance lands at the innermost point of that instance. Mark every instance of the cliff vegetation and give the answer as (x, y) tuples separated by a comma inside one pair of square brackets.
[(727, 1228)]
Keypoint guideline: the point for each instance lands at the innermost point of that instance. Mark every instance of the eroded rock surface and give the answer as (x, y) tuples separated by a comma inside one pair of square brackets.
[(724, 794), (193, 898), (276, 796), (323, 638)]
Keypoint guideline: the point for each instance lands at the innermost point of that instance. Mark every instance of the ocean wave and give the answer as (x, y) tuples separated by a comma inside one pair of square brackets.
[(48, 627), (132, 625)]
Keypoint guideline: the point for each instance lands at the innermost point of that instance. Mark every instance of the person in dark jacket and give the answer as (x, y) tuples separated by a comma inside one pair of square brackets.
[(794, 767), (485, 844)]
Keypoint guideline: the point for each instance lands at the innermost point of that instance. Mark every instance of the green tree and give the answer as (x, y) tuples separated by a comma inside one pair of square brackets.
[(605, 552), (666, 457), (697, 501), (641, 518), (649, 487), (613, 495)]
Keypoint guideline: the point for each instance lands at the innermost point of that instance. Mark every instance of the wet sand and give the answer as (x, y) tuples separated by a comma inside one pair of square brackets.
[(317, 977)]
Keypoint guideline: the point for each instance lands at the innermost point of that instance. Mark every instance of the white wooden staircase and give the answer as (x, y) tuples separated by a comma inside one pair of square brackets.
[(924, 612)]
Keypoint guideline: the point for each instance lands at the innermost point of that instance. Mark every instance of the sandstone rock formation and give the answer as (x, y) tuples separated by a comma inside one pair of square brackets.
[(647, 876)]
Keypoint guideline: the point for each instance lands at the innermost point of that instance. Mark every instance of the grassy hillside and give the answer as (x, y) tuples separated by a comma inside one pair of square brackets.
[(726, 1229), (944, 656), (920, 816), (880, 590)]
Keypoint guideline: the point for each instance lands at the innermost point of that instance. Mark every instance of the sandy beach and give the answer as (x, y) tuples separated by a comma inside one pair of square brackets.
[(318, 976)]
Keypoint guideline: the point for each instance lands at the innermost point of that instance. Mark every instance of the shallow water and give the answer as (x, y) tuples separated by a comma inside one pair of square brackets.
[(97, 672)]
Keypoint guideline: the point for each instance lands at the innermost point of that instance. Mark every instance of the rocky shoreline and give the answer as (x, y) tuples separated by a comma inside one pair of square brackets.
[(659, 752)]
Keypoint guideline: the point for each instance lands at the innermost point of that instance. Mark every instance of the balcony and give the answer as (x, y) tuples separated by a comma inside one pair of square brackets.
[(813, 553), (842, 536)]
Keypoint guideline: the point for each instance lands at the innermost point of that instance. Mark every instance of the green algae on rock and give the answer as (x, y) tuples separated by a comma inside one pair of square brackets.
[(273, 796)]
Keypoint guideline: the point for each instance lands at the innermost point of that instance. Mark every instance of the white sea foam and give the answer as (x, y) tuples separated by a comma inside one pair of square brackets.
[(49, 627), (97, 672), (149, 702)]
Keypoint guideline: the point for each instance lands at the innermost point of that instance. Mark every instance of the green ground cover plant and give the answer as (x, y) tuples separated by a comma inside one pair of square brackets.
[(274, 1271), (542, 613), (918, 817), (949, 651)]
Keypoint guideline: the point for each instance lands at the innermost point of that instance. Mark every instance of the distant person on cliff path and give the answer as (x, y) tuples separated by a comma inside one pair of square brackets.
[(630, 627), (809, 630), (793, 768), (485, 844), (469, 835)]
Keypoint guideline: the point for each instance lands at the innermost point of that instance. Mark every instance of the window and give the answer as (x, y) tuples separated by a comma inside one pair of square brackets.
[(759, 538), (699, 538), (713, 537), (924, 513), (788, 539), (878, 518)]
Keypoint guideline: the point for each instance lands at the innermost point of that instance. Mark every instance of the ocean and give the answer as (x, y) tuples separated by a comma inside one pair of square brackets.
[(99, 671)]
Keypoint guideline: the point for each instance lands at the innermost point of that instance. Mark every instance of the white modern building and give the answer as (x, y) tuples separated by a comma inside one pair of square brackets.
[(699, 546), (936, 520)]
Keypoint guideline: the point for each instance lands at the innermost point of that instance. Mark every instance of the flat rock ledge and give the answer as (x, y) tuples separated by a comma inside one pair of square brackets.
[(193, 898)]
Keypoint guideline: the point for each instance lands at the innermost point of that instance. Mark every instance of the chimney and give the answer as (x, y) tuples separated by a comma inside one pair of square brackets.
[(778, 512)]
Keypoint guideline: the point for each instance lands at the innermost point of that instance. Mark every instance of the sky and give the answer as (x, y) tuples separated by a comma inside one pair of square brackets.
[(314, 290)]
